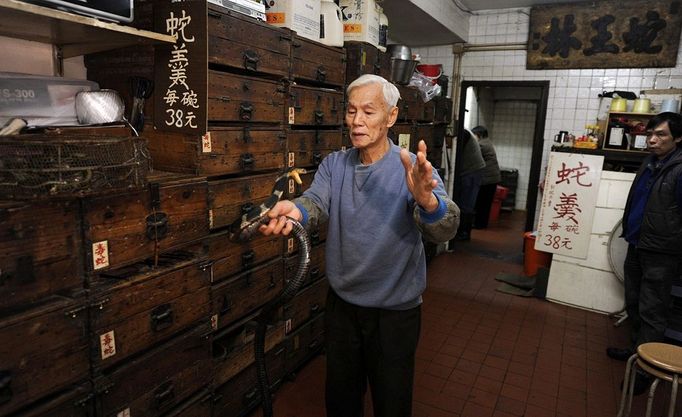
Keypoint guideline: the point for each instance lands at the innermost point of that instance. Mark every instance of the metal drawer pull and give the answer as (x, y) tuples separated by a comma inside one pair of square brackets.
[(162, 317), (157, 225), (251, 59), (5, 388), (164, 394), (319, 117), (245, 111), (321, 74)]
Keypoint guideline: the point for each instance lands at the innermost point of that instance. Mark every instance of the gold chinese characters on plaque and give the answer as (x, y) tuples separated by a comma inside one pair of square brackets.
[(604, 34)]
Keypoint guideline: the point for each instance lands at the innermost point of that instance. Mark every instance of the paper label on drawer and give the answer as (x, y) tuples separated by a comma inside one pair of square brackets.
[(214, 322), (107, 344), (287, 326), (100, 254), (210, 218), (343, 148), (292, 187), (292, 115), (290, 245), (206, 143), (404, 140), (291, 159), (124, 413), (276, 18)]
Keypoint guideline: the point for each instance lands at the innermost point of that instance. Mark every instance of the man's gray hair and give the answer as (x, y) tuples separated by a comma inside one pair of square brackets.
[(391, 93)]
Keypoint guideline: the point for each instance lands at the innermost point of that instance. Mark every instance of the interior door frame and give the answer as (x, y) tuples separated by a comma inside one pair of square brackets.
[(538, 137)]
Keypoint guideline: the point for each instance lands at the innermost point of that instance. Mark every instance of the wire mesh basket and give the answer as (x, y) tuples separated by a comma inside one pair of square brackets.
[(38, 166)]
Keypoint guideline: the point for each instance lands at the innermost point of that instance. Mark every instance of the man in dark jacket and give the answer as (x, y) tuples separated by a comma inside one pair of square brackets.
[(490, 177), (652, 225)]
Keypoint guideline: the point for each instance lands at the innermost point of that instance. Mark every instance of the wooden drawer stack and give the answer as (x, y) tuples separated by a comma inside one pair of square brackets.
[(265, 100)]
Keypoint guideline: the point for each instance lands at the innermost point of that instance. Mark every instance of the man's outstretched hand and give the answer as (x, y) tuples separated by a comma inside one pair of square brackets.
[(419, 177)]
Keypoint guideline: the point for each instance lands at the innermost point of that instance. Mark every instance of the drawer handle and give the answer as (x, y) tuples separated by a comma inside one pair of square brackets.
[(317, 157), (245, 111), (250, 396), (246, 161), (164, 394), (314, 308), (246, 207), (5, 386), (247, 259), (157, 225), (162, 317), (319, 117), (226, 306), (377, 68), (314, 344), (251, 59), (314, 273), (321, 74), (315, 237)]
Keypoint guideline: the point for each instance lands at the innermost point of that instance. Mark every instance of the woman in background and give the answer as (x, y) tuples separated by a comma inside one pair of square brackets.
[(490, 177)]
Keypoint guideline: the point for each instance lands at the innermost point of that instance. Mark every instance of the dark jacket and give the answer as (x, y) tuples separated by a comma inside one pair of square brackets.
[(491, 172), (472, 160), (662, 223)]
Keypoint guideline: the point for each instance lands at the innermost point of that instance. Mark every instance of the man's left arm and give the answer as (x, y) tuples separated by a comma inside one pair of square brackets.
[(440, 225)]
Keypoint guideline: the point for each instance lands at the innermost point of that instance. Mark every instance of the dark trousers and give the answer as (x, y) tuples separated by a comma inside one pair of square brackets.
[(648, 282), (483, 203), (369, 345)]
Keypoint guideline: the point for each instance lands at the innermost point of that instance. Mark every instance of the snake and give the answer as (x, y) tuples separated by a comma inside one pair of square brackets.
[(242, 230)]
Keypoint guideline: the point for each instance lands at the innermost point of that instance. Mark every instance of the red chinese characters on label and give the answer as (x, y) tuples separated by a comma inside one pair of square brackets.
[(100, 255), (107, 344)]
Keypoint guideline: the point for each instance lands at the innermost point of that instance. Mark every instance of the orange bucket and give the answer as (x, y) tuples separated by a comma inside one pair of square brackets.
[(533, 259)]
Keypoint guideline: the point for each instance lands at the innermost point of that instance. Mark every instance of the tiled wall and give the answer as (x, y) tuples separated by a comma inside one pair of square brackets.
[(512, 134), (573, 100)]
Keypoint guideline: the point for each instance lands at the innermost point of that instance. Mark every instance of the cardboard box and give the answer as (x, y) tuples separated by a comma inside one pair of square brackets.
[(302, 16)]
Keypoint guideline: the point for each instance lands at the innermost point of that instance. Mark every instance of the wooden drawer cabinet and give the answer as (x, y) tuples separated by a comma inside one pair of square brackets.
[(222, 151), (40, 251), (304, 343), (307, 148), (306, 305), (230, 258), (237, 98), (316, 269), (313, 106), (363, 58), (318, 63)]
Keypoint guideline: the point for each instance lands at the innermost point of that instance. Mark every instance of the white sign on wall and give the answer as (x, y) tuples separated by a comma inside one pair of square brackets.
[(568, 202)]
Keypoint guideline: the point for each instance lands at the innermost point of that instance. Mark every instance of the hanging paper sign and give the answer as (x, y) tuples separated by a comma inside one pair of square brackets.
[(568, 202)]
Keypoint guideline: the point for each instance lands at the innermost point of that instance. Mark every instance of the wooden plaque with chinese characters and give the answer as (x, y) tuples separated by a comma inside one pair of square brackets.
[(605, 34), (180, 98)]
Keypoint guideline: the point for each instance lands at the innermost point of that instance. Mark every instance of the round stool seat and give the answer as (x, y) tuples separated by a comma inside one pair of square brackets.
[(662, 355)]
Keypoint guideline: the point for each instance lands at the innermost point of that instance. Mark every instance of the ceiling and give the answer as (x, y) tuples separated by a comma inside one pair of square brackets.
[(410, 25)]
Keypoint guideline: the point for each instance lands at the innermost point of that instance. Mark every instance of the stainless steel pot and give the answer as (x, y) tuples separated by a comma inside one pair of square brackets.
[(399, 51), (401, 70)]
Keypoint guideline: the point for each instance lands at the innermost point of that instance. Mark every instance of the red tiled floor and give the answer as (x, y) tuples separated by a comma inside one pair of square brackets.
[(483, 353)]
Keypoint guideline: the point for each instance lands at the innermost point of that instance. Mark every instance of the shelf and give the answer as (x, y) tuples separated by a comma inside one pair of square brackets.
[(629, 113), (74, 34)]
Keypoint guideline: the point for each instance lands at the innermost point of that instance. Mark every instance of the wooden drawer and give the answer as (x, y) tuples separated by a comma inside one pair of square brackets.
[(312, 106), (318, 63), (238, 98), (126, 228), (362, 58), (155, 382), (303, 344), (43, 351), (384, 65), (317, 236), (296, 190), (306, 305), (233, 348), (135, 308), (229, 199), (236, 297), (237, 41), (404, 134), (443, 109), (307, 148), (223, 150), (428, 112), (410, 105), (39, 251), (316, 269), (238, 396), (74, 402), (199, 405), (229, 258)]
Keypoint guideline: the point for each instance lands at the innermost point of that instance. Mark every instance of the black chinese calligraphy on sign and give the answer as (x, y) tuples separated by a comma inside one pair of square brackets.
[(605, 34), (180, 69)]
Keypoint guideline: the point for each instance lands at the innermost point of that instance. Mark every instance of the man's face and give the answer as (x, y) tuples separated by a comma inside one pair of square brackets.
[(368, 116), (660, 141)]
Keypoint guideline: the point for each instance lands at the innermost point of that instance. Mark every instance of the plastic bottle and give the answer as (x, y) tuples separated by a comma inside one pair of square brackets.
[(331, 24)]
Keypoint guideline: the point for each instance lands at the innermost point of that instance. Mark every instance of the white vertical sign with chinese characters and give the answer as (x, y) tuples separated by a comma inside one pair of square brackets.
[(568, 202)]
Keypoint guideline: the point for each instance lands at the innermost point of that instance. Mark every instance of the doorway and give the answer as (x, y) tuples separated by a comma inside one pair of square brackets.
[(514, 113)]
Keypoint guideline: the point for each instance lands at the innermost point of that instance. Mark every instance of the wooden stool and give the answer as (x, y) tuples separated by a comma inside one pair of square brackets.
[(659, 360)]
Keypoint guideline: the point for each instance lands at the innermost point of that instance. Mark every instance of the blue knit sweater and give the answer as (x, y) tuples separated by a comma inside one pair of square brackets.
[(374, 252)]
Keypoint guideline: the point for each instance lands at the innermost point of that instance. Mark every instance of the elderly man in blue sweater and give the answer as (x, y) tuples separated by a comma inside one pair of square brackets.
[(379, 201)]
